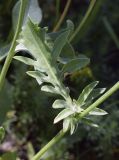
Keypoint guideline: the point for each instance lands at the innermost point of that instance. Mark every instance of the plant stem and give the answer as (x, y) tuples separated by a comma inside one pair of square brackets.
[(84, 20), (84, 113), (62, 16), (13, 45), (49, 145), (111, 31), (100, 100), (85, 23), (57, 10)]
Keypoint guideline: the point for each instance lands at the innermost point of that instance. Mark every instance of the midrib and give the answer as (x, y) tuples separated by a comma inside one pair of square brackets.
[(45, 59)]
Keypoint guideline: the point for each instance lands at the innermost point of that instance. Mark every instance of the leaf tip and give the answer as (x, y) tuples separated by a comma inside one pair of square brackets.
[(55, 121)]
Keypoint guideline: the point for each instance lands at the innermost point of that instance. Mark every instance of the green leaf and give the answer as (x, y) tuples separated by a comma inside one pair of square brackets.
[(95, 93), (2, 133), (74, 125), (75, 65), (98, 112), (88, 121), (62, 40), (33, 11), (49, 89), (66, 124), (67, 54), (40, 77), (59, 44), (20, 47), (25, 60), (63, 114), (70, 26), (64, 60), (32, 40), (54, 35), (86, 92), (60, 104), (72, 128), (76, 107), (48, 40)]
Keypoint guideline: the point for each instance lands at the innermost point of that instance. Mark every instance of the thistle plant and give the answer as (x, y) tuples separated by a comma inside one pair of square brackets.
[(52, 55), (50, 64)]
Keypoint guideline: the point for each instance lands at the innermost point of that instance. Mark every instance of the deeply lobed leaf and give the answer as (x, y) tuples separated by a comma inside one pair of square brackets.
[(47, 53)]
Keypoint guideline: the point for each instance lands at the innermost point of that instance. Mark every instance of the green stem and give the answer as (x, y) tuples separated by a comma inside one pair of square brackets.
[(111, 31), (100, 100), (62, 16), (49, 145), (13, 45), (86, 112), (57, 10), (86, 22)]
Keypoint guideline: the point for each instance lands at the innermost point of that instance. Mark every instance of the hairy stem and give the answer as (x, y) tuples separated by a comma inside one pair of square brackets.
[(13, 45), (62, 16), (49, 145)]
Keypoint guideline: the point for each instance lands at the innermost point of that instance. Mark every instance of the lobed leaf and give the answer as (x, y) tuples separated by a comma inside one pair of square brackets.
[(32, 40)]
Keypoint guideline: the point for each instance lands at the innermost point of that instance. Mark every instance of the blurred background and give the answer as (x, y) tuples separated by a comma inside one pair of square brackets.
[(26, 112)]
